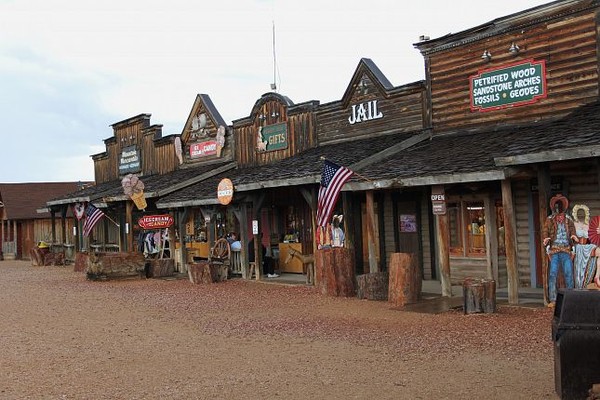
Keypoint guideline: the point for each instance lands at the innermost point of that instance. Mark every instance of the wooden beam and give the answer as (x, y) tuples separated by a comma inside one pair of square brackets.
[(551, 155), (390, 151), (310, 197), (370, 210), (490, 235), (443, 247), (510, 242), (543, 198)]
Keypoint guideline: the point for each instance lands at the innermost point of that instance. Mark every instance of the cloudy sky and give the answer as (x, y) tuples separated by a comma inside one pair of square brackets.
[(71, 68)]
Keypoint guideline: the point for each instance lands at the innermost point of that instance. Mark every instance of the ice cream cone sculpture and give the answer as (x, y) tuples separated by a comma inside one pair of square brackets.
[(134, 188)]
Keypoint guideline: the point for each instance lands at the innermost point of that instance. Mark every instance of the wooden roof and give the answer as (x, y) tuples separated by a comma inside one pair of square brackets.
[(22, 200)]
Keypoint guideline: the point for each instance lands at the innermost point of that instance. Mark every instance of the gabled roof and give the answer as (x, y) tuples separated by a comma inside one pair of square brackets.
[(22, 200), (366, 67)]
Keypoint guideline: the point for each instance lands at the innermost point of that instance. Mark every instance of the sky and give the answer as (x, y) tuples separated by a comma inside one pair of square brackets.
[(71, 68)]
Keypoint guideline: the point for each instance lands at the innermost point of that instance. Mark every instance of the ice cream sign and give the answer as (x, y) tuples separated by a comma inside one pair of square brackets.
[(155, 221), (203, 149), (508, 86)]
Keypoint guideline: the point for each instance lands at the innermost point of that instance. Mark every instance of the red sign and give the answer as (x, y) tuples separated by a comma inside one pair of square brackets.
[(155, 221), (203, 149)]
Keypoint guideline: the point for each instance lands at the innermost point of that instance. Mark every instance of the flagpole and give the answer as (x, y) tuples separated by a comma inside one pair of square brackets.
[(355, 173)]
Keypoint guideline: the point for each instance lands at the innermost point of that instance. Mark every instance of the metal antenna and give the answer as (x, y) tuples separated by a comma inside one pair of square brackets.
[(274, 84)]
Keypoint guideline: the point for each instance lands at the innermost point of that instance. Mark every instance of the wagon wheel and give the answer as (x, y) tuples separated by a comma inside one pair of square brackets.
[(221, 250)]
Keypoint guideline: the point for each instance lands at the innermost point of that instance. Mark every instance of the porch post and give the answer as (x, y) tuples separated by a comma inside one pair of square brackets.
[(543, 197), (443, 250), (510, 240), (373, 267)]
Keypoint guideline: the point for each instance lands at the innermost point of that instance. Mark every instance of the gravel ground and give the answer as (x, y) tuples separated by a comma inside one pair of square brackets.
[(64, 337)]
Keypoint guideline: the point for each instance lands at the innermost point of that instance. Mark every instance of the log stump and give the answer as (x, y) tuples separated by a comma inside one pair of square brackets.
[(479, 295), (372, 286), (81, 260), (405, 279), (157, 268), (103, 266), (334, 271), (207, 272)]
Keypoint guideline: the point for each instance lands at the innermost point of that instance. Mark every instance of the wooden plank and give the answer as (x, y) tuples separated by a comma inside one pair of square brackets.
[(371, 236), (543, 198)]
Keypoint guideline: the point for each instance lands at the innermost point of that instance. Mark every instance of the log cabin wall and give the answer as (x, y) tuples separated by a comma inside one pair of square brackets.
[(274, 112), (371, 106), (563, 35)]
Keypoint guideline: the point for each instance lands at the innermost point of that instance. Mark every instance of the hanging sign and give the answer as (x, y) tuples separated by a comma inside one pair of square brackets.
[(155, 221), (438, 200), (511, 85), (225, 191)]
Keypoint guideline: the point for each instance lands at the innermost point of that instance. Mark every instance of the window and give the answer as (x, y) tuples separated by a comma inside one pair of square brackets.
[(466, 225)]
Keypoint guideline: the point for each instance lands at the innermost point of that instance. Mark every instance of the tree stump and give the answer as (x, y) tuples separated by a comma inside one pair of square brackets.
[(479, 295), (160, 267), (405, 279), (372, 286), (334, 271), (207, 272), (81, 260)]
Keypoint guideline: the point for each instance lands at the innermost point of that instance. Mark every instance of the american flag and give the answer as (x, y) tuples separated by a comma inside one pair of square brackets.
[(92, 216), (333, 178)]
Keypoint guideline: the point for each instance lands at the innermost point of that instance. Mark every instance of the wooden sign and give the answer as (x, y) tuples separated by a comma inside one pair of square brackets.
[(208, 148), (155, 221), (225, 191), (510, 85)]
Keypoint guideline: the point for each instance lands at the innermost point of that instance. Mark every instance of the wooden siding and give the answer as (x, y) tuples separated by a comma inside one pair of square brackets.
[(569, 48), (157, 153), (402, 112), (272, 111), (426, 234), (521, 195)]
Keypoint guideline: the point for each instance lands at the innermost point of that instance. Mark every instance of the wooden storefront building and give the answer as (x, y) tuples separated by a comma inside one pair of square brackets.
[(457, 169)]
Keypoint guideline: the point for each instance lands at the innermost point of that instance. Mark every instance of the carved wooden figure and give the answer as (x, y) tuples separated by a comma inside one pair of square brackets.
[(305, 259)]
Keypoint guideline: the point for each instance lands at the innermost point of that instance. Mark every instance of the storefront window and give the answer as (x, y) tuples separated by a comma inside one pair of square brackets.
[(466, 225)]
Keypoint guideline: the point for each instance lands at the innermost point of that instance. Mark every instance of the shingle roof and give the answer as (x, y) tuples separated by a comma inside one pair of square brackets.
[(153, 185), (493, 150), (22, 200), (443, 155)]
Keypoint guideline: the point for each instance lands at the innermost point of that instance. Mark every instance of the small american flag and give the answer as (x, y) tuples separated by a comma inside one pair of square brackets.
[(333, 178), (92, 216)]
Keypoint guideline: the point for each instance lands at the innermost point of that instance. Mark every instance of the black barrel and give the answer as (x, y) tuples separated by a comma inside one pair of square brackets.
[(576, 336)]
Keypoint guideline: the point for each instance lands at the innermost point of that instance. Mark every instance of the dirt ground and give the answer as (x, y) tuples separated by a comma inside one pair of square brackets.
[(64, 337)]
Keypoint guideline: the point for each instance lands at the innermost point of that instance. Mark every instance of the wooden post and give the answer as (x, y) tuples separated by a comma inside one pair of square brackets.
[(510, 239), (543, 177), (370, 210), (129, 220), (443, 247)]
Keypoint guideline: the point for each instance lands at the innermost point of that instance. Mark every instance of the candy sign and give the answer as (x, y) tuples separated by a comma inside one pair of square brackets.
[(155, 221)]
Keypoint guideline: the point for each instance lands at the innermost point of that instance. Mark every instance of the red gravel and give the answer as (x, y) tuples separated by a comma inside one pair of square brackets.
[(64, 337)]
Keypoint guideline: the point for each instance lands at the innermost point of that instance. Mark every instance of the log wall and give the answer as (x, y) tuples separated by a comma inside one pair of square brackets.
[(568, 45)]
